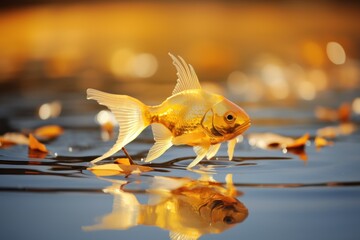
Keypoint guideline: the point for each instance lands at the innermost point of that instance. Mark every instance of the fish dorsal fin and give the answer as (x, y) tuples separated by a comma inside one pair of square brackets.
[(163, 141), (187, 78), (181, 236)]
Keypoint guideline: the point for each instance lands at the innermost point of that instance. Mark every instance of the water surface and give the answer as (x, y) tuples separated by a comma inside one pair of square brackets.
[(56, 197)]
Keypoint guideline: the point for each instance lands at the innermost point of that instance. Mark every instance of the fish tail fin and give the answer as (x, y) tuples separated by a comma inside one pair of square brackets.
[(131, 114)]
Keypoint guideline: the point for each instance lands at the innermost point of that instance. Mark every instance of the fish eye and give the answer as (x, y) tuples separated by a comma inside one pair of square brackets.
[(230, 117), (228, 220)]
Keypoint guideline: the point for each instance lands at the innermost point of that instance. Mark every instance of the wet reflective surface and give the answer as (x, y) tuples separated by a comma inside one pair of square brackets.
[(273, 194)]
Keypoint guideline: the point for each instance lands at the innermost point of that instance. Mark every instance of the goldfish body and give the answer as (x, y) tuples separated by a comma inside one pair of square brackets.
[(190, 116)]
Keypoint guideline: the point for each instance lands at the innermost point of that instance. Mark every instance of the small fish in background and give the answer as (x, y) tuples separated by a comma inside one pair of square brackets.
[(190, 116), (185, 207)]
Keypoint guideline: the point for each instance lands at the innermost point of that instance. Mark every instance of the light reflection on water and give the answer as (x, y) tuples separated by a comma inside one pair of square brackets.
[(185, 207)]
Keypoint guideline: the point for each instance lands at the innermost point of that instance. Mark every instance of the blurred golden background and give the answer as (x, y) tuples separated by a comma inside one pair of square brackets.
[(254, 51)]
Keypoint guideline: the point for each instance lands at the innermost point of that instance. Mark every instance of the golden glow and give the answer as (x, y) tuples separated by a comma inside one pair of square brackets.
[(212, 87), (313, 53), (306, 90), (144, 65), (244, 86), (98, 42), (238, 82), (120, 62), (274, 77), (125, 63), (356, 105), (336, 53), (319, 78)]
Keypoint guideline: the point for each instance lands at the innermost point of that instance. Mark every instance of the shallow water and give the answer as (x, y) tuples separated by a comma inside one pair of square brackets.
[(56, 197)]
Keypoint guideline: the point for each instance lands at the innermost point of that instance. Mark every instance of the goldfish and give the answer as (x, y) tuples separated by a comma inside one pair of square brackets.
[(190, 116), (185, 207)]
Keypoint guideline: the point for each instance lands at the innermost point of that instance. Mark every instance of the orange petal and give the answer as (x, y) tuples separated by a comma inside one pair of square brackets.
[(131, 169), (329, 132), (300, 142), (326, 114), (112, 169), (344, 112), (322, 142), (335, 131), (123, 161), (347, 128), (269, 140), (13, 138), (34, 144), (48, 132)]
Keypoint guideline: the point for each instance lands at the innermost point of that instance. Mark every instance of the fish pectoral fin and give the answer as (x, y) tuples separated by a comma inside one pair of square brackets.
[(187, 78), (163, 141), (213, 149), (181, 236), (231, 147), (201, 153)]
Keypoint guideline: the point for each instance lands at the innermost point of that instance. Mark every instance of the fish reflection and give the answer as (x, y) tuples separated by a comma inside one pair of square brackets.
[(186, 208)]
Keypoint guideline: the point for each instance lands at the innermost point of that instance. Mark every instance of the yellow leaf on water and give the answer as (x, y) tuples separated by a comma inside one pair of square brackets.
[(300, 142), (123, 161), (112, 169), (131, 169), (276, 141), (34, 144), (13, 138), (335, 131), (109, 169), (272, 140), (347, 128), (322, 142), (342, 114), (48, 132)]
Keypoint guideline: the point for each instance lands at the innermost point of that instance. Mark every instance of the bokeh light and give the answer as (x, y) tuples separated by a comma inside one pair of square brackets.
[(313, 53), (306, 90), (106, 45), (356, 105), (120, 62), (319, 78), (144, 65), (335, 53), (274, 78), (105, 116), (50, 110), (238, 83)]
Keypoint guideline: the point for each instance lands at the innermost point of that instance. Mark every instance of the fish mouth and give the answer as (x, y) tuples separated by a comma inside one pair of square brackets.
[(243, 127)]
